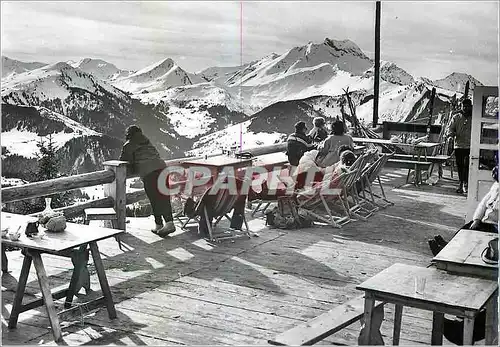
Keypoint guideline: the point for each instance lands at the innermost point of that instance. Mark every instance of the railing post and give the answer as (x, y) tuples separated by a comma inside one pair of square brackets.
[(117, 189)]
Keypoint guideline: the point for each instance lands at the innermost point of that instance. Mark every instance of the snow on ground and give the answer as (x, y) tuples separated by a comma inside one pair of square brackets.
[(189, 122), (206, 94), (52, 82), (97, 192), (394, 104), (11, 182), (24, 142), (224, 139)]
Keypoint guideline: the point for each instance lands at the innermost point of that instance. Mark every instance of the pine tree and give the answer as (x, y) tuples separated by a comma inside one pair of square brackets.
[(48, 165), (47, 161)]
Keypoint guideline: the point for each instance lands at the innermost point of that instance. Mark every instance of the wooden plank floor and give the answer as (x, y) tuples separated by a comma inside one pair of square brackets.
[(183, 290)]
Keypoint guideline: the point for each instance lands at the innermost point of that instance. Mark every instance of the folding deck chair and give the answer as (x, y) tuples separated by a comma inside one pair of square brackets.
[(362, 208), (313, 197), (218, 206), (369, 176)]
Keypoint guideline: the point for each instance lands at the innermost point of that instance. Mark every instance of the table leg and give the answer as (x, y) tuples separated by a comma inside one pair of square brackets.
[(468, 331), (364, 338), (106, 292), (491, 334), (437, 328), (5, 261), (43, 281), (18, 298), (398, 315)]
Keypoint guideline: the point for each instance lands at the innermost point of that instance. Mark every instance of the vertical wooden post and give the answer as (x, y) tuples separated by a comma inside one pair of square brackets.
[(377, 65), (116, 189)]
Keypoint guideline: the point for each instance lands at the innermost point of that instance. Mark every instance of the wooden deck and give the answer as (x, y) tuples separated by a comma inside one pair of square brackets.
[(183, 290)]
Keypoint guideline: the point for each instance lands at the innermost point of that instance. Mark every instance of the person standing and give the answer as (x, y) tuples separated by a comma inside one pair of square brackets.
[(460, 131), (144, 160), (298, 143)]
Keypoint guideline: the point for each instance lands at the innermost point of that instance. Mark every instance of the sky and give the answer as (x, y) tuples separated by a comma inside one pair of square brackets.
[(430, 39)]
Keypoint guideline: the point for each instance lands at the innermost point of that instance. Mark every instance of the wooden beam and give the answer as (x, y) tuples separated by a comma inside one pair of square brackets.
[(57, 185), (377, 65)]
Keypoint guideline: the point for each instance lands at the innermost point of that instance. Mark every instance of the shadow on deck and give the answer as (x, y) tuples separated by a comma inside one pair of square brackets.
[(184, 290)]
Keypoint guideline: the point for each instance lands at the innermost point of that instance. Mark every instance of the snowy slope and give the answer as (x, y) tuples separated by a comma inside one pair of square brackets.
[(22, 138), (194, 110), (100, 69), (52, 82), (345, 54), (157, 77), (456, 82), (11, 67), (392, 73), (224, 139)]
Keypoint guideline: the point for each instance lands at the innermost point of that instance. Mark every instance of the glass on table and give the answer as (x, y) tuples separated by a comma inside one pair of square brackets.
[(420, 284)]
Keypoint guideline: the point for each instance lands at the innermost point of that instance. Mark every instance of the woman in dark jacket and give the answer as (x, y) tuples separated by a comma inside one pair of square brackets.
[(144, 161), (318, 133)]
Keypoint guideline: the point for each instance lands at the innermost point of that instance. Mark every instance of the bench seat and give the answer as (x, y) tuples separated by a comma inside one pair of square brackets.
[(408, 164), (440, 158), (324, 325)]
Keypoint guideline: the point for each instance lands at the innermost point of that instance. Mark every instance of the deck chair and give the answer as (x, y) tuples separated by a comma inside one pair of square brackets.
[(371, 175), (218, 206), (313, 199), (361, 208), (264, 198), (356, 208)]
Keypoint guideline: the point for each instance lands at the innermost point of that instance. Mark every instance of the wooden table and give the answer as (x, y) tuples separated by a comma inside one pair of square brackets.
[(443, 294), (217, 163), (271, 161), (462, 255), (59, 244)]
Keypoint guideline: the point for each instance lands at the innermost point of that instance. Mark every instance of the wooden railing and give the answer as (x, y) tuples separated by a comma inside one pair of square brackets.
[(113, 177)]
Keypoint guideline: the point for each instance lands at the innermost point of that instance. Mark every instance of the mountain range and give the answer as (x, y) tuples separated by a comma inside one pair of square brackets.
[(86, 105)]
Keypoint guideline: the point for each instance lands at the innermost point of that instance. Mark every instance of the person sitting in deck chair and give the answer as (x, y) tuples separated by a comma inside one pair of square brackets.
[(298, 143), (329, 153), (318, 133)]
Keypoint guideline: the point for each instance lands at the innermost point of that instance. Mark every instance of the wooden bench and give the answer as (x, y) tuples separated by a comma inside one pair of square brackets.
[(436, 159), (418, 166), (324, 325), (408, 164)]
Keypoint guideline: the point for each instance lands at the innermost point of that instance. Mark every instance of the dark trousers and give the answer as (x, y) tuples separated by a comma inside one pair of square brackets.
[(462, 158), (160, 203)]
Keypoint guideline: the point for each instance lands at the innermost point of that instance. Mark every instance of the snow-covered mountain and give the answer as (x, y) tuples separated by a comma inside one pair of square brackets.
[(456, 82), (87, 104), (392, 73), (69, 104), (11, 66), (157, 77), (101, 69)]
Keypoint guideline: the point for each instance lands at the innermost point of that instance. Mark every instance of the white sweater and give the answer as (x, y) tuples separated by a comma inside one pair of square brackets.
[(487, 210)]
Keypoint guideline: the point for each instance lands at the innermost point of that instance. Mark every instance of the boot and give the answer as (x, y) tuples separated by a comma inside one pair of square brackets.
[(158, 227), (167, 229)]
